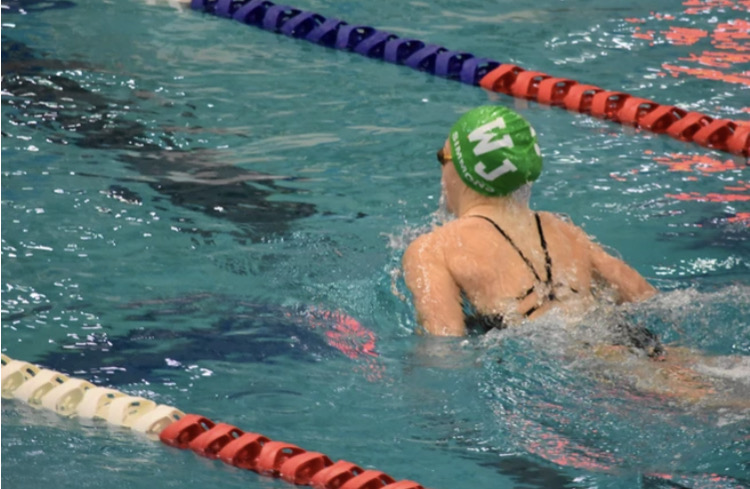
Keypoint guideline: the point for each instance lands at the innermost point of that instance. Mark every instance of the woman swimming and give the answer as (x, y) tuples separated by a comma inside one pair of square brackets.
[(500, 262)]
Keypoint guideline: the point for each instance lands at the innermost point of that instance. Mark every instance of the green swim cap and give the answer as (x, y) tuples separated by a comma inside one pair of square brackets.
[(495, 150)]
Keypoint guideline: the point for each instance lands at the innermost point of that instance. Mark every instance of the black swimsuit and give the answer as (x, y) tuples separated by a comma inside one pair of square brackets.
[(544, 288), (626, 334)]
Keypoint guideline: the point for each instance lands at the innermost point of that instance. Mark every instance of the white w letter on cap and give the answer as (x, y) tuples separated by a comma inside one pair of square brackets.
[(486, 144), (484, 136)]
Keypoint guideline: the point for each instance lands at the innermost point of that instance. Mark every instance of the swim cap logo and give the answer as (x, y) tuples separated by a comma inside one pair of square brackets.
[(484, 135), (494, 150)]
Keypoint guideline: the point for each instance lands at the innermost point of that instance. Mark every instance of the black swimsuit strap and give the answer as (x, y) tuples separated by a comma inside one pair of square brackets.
[(547, 263), (518, 250), (547, 266), (547, 259)]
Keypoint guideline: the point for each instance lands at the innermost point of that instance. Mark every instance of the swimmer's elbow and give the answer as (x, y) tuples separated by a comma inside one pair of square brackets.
[(636, 292), (443, 329), (630, 285), (646, 293), (441, 321)]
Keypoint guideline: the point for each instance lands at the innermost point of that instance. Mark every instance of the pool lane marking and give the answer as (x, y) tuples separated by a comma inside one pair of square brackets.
[(720, 134)]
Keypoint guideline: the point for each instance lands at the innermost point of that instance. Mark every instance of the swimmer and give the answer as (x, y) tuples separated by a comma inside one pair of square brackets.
[(500, 263)]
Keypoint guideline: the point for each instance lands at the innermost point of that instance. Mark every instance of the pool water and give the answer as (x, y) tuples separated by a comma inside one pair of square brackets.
[(197, 211)]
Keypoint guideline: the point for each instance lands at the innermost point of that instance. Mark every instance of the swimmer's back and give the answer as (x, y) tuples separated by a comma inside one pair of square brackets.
[(493, 274)]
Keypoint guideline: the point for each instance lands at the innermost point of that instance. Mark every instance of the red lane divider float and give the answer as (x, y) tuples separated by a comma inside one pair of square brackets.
[(47, 389), (720, 134), (258, 453)]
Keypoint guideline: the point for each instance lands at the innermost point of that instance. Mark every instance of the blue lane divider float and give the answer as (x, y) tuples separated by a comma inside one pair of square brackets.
[(720, 134), (361, 39)]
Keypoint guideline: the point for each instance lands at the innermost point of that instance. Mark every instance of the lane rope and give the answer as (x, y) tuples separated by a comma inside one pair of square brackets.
[(46, 389), (720, 134)]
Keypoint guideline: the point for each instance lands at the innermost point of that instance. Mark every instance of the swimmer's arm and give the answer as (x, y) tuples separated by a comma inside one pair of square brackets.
[(630, 285), (437, 297)]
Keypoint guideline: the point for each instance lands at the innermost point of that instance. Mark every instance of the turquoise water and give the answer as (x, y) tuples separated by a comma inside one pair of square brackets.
[(182, 197)]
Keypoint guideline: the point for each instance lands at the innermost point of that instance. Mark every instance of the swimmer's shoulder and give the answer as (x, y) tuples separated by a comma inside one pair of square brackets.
[(562, 224), (427, 246), (437, 245), (464, 234), (469, 225)]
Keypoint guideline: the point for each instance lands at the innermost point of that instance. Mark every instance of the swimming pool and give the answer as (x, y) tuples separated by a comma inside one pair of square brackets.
[(183, 195)]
